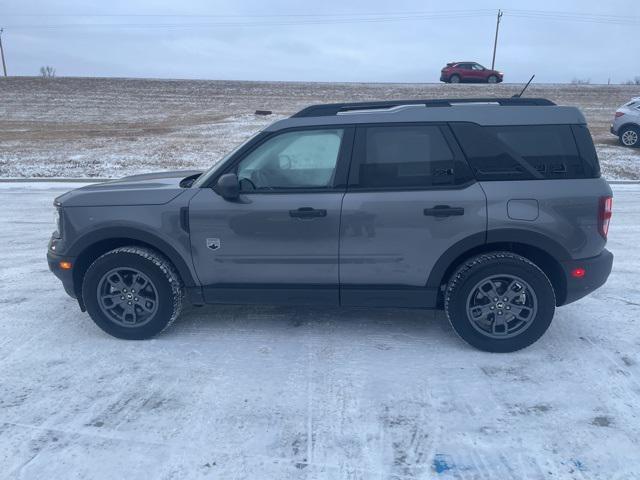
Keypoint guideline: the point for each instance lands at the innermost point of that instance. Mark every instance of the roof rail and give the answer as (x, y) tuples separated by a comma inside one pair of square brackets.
[(331, 109)]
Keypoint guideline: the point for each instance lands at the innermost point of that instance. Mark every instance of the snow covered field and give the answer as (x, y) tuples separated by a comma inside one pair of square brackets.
[(98, 127), (287, 393)]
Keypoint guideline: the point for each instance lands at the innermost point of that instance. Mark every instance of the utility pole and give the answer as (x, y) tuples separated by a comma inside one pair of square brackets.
[(4, 65), (495, 40)]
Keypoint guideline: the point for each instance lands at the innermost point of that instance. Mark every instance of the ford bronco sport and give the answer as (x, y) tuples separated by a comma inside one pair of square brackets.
[(492, 209)]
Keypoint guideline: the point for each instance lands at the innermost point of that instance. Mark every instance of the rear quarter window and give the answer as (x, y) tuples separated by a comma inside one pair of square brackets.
[(528, 152)]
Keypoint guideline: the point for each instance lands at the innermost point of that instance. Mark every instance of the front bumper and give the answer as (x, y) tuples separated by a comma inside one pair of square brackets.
[(597, 270), (65, 276)]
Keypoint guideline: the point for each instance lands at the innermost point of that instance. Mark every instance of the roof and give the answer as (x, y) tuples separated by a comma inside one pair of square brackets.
[(483, 111)]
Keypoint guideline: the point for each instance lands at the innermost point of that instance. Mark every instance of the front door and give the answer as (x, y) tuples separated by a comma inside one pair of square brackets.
[(410, 198), (279, 241)]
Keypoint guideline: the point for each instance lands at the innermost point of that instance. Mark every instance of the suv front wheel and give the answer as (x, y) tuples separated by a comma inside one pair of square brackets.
[(132, 293), (499, 302)]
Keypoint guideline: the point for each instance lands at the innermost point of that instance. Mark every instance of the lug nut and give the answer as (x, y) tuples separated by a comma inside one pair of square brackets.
[(129, 303), (136, 299), (122, 297), (495, 299), (500, 312)]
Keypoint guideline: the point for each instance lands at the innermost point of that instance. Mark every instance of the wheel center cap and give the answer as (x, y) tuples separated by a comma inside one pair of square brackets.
[(499, 304), (129, 296)]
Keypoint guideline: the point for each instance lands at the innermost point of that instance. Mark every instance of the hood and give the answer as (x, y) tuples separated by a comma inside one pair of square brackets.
[(146, 189)]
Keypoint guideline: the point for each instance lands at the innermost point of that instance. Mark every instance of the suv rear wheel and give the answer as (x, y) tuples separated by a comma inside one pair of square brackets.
[(630, 136), (454, 79), (499, 302), (132, 293)]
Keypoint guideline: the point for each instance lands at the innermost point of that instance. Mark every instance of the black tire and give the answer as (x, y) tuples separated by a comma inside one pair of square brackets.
[(162, 280), (490, 265), (492, 79), (627, 137), (455, 79)]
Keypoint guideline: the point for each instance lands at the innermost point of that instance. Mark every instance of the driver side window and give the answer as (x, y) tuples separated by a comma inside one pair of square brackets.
[(299, 159)]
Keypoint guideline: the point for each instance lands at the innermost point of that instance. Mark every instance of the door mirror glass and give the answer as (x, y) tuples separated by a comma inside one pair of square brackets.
[(228, 186)]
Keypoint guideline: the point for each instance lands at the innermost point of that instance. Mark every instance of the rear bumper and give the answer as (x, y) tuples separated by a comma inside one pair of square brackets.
[(597, 270), (65, 276)]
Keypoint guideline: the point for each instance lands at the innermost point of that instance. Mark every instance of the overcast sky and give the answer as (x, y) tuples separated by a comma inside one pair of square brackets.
[(322, 41)]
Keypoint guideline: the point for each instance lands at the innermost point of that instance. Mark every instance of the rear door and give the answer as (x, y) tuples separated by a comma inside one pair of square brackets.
[(279, 241), (464, 71), (410, 198)]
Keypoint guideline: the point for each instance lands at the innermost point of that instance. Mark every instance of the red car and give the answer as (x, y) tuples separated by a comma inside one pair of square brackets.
[(472, 72)]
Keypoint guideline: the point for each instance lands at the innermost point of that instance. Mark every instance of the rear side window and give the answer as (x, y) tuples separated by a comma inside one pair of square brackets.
[(587, 150), (528, 152), (412, 156)]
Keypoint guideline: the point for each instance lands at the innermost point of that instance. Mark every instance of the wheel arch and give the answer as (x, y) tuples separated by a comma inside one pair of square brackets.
[(540, 249), (89, 247), (629, 124)]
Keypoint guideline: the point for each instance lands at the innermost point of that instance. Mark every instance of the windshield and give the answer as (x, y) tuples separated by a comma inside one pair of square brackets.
[(204, 178)]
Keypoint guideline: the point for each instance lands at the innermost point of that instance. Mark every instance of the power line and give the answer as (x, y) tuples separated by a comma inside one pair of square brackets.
[(274, 20), (333, 21), (271, 15), (574, 17)]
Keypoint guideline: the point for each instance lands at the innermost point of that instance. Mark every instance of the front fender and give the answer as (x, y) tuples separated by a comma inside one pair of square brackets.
[(177, 249)]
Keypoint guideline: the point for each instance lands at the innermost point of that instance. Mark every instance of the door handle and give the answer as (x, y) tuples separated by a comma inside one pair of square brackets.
[(308, 212), (443, 211)]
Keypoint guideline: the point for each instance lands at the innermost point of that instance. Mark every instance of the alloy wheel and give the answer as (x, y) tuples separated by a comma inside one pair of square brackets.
[(629, 138), (501, 306), (127, 297)]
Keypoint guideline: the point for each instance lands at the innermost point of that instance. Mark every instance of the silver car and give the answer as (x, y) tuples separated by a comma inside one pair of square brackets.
[(626, 123)]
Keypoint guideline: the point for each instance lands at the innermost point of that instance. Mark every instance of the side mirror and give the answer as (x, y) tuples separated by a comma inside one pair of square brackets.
[(228, 186)]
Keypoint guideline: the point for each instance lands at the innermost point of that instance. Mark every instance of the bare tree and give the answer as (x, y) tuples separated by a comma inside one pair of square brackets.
[(635, 81), (47, 72), (580, 81)]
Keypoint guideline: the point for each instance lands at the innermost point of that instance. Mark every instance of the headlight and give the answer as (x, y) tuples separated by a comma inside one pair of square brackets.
[(57, 215)]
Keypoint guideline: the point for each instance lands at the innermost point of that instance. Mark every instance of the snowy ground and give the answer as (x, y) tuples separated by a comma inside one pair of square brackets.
[(97, 127), (287, 393)]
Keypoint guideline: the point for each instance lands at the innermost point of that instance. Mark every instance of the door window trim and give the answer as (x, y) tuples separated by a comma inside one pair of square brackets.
[(342, 162), (358, 155)]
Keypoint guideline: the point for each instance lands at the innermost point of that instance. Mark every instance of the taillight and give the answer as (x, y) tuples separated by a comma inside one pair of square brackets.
[(619, 114), (604, 215)]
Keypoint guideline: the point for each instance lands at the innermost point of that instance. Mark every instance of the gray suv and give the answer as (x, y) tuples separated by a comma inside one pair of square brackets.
[(492, 209)]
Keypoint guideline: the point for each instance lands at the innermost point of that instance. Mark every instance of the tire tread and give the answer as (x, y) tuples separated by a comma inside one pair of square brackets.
[(164, 265), (470, 265)]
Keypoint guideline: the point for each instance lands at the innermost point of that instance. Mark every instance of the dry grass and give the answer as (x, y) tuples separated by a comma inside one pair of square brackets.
[(79, 127)]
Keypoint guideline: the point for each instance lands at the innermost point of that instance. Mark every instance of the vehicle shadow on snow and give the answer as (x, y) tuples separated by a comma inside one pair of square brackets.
[(423, 325)]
